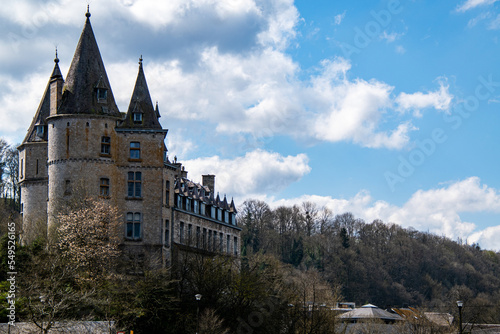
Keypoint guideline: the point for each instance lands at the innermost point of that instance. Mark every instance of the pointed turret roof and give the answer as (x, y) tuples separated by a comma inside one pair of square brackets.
[(56, 72), (43, 110), (85, 77), (141, 103), (232, 207)]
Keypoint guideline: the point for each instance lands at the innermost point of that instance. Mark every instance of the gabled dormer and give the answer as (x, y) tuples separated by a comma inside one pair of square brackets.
[(101, 91)]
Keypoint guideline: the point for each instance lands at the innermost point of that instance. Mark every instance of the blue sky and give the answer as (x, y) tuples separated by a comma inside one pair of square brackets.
[(387, 109)]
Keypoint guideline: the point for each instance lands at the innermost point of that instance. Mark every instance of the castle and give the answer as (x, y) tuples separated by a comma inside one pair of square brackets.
[(80, 144)]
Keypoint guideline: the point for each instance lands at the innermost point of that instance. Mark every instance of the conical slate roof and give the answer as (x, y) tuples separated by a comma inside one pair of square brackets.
[(85, 76), (141, 103), (43, 110)]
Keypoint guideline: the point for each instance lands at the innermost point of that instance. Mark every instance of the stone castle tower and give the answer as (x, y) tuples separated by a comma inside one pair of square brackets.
[(79, 144)]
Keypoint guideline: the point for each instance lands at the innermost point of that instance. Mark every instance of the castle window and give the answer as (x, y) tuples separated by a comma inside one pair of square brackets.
[(221, 242), (188, 204), (179, 201), (135, 150), (228, 244), (202, 208), (226, 217), (67, 187), (219, 214), (181, 233), (209, 245), (133, 226), (167, 235), (235, 246), (198, 232), (190, 234), (212, 212), (134, 184), (167, 193), (105, 145), (104, 187), (233, 219), (195, 206), (204, 238), (102, 94), (137, 117)]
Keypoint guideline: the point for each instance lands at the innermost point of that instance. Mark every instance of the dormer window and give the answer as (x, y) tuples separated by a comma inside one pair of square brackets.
[(137, 117), (102, 94), (40, 130), (101, 91)]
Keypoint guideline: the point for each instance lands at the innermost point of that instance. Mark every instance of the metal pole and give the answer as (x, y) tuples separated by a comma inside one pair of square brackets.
[(460, 319), (198, 298), (198, 317)]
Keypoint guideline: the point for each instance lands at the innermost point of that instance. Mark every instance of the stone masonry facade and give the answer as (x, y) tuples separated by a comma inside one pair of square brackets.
[(80, 145)]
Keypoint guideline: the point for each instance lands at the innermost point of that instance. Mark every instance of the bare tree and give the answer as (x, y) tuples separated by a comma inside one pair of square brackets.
[(211, 323), (88, 236)]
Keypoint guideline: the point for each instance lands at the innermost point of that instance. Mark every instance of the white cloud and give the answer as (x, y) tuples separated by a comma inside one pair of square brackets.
[(175, 12), (437, 210), (400, 49), (470, 4), (353, 109), (495, 24), (439, 100), (474, 21), (179, 145), (256, 91), (339, 18), (390, 37), (19, 103), (33, 15), (255, 173), (487, 238), (282, 19)]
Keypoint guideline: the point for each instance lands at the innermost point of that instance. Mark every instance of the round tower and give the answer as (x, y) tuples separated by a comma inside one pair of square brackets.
[(81, 138)]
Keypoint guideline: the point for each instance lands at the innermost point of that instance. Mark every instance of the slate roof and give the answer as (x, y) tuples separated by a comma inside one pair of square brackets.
[(141, 103), (43, 110), (370, 311), (188, 188), (86, 74)]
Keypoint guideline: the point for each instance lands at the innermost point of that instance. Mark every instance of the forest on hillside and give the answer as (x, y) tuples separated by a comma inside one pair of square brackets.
[(378, 263)]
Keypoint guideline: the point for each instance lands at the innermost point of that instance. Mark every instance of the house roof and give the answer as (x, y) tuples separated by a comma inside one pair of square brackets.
[(87, 74), (370, 311)]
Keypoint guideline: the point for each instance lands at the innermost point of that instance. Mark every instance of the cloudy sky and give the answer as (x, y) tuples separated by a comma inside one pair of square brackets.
[(388, 109)]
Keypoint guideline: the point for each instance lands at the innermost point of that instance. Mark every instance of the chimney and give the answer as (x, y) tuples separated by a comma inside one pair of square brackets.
[(209, 181)]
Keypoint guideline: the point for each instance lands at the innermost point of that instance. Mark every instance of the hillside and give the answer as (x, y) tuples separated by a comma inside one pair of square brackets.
[(375, 262)]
